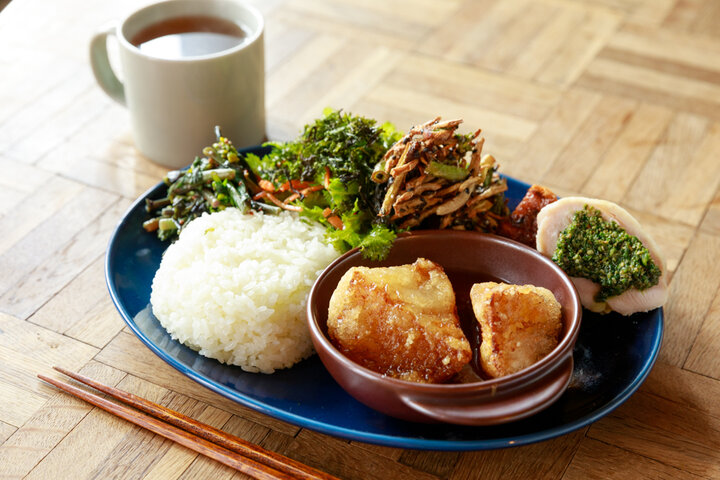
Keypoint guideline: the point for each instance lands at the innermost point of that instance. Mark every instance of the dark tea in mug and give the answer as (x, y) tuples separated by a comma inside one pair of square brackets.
[(188, 36)]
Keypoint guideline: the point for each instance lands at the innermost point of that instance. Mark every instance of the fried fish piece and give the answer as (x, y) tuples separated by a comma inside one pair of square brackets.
[(399, 321), (519, 325)]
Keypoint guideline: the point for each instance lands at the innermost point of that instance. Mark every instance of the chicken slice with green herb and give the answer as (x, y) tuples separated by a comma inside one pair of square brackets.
[(614, 264)]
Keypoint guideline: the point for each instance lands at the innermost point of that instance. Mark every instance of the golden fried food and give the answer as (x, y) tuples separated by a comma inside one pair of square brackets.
[(519, 325), (399, 321)]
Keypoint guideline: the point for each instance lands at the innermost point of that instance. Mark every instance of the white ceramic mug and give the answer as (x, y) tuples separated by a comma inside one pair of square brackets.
[(175, 104)]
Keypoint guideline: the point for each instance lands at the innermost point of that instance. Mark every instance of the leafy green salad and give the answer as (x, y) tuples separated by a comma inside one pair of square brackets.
[(337, 152), (340, 172)]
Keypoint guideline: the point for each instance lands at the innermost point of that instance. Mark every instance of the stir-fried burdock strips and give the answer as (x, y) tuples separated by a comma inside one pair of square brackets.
[(436, 174)]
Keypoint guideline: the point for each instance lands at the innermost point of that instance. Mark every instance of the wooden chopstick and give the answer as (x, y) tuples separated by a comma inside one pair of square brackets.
[(208, 432), (244, 456), (186, 439)]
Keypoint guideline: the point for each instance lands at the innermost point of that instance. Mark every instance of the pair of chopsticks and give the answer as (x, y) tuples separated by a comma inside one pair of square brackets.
[(234, 452)]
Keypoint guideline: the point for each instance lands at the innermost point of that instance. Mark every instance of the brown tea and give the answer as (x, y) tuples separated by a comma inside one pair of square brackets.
[(188, 36)]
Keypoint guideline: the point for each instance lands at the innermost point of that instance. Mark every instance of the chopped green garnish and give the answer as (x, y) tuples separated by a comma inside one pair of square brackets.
[(602, 251), (339, 149), (211, 183)]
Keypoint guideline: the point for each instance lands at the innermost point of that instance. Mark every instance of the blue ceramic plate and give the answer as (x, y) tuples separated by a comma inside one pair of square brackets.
[(613, 356)]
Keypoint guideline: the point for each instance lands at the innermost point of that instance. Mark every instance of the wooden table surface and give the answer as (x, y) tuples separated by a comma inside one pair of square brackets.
[(618, 99)]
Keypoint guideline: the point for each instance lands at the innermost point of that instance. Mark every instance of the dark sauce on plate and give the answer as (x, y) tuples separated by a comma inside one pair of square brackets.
[(462, 282), (188, 36)]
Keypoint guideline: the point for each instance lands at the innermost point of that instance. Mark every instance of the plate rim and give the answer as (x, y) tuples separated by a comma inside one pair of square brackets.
[(407, 442)]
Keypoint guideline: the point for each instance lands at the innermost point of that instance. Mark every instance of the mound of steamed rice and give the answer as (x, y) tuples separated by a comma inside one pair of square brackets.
[(234, 287)]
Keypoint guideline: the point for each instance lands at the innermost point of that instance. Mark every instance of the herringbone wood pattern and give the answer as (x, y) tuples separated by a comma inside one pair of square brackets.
[(618, 99)]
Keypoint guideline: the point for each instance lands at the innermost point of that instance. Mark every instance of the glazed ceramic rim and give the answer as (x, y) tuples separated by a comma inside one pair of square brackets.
[(539, 369), (251, 39)]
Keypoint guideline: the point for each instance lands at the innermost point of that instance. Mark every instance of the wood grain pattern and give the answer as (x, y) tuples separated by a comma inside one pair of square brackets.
[(185, 430), (49, 425), (665, 431), (542, 461), (692, 291), (141, 362), (684, 387), (617, 99), (601, 461), (589, 144), (621, 164), (702, 358)]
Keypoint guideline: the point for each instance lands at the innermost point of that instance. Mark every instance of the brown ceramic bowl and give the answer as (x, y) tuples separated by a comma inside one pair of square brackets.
[(467, 258)]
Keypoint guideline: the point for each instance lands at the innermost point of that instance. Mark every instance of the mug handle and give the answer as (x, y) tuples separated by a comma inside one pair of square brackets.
[(101, 67)]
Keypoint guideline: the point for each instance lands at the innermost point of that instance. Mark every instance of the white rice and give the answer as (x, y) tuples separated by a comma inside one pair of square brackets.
[(234, 287)]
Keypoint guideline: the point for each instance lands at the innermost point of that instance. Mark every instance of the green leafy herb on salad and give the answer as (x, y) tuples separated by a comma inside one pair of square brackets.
[(337, 152), (364, 181), (213, 182)]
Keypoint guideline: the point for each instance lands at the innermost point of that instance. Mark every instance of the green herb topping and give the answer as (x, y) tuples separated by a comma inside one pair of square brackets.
[(602, 251), (339, 151)]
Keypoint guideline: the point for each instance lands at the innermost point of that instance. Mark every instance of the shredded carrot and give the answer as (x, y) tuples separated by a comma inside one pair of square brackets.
[(260, 195), (327, 212), (292, 197), (294, 184), (314, 188), (335, 221), (266, 185), (327, 178), (280, 204)]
